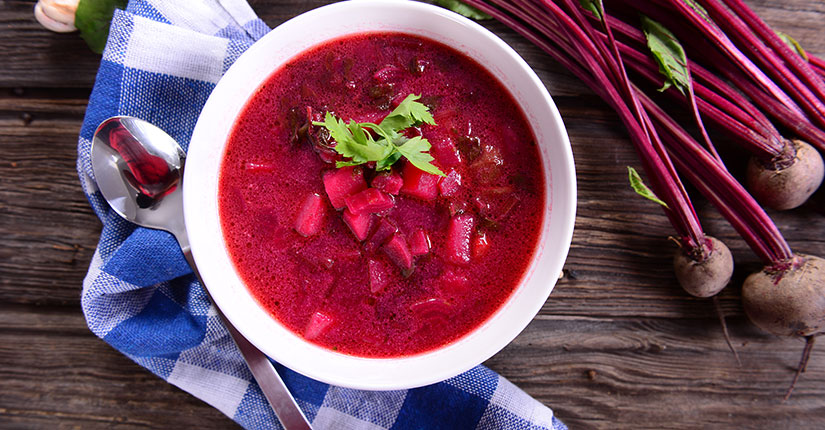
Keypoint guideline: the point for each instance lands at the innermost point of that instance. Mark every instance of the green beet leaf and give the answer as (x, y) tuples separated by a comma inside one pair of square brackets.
[(594, 6), (640, 188), (793, 44), (669, 55), (461, 8)]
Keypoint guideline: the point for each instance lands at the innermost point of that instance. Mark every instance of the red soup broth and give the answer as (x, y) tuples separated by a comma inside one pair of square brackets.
[(440, 255)]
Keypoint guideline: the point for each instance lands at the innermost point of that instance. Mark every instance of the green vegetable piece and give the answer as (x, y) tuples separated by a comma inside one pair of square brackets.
[(93, 18), (669, 55), (461, 8), (640, 188), (594, 6), (793, 44), (355, 143)]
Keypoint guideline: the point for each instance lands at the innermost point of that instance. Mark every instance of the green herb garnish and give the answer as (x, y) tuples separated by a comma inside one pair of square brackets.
[(353, 140)]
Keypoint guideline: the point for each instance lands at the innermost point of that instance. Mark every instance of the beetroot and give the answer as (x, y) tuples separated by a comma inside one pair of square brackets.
[(359, 224), (318, 324), (459, 234), (383, 232), (379, 276), (399, 252), (708, 275), (342, 183), (480, 244), (789, 301), (311, 216), (420, 242), (787, 187), (449, 185), (419, 184), (445, 152), (370, 200), (388, 181)]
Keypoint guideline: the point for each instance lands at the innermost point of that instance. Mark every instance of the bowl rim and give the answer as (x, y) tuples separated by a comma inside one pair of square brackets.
[(200, 208)]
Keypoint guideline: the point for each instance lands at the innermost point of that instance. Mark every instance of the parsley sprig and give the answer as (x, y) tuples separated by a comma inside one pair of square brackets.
[(353, 141)]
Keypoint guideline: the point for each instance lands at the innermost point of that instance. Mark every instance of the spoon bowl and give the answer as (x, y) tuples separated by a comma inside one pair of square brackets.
[(139, 170), (137, 166)]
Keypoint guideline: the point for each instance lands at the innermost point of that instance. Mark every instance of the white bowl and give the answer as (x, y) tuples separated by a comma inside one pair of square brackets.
[(201, 193)]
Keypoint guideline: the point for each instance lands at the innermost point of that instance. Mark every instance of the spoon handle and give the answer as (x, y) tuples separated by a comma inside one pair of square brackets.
[(273, 387)]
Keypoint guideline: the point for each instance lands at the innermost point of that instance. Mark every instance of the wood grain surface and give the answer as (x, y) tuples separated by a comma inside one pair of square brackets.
[(617, 345)]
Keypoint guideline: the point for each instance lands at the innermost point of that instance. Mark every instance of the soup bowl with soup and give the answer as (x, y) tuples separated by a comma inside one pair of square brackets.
[(380, 194)]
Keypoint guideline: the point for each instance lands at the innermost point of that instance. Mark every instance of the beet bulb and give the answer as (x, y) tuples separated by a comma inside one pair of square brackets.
[(787, 184), (708, 275), (789, 302)]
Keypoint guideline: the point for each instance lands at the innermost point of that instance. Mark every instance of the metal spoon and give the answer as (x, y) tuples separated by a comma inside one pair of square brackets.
[(139, 171)]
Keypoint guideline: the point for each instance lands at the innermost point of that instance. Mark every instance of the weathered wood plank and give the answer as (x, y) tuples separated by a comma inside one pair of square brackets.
[(658, 374), (47, 229), (56, 374), (595, 373)]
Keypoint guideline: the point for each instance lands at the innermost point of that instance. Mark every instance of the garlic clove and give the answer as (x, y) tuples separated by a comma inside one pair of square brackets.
[(60, 10), (54, 19)]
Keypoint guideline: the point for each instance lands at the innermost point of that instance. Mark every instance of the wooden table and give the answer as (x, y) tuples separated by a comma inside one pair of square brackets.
[(617, 345)]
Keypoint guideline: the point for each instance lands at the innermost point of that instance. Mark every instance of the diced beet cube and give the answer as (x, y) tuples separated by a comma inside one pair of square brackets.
[(445, 152), (453, 282), (396, 248), (419, 242), (459, 233), (310, 218), (379, 276), (342, 183), (359, 224), (371, 200), (318, 323), (419, 184), (388, 181), (450, 184), (432, 308), (480, 244), (383, 232)]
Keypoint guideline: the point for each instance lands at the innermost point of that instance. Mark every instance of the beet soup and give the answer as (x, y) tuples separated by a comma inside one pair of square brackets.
[(381, 263)]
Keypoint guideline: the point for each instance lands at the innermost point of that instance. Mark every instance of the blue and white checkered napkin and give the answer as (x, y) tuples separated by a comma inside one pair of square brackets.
[(162, 60)]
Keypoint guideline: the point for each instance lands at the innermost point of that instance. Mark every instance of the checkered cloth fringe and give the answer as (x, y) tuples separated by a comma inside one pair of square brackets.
[(162, 60)]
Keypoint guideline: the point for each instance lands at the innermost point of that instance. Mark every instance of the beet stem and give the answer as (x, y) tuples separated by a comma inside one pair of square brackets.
[(794, 63), (583, 51), (679, 10), (803, 365)]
